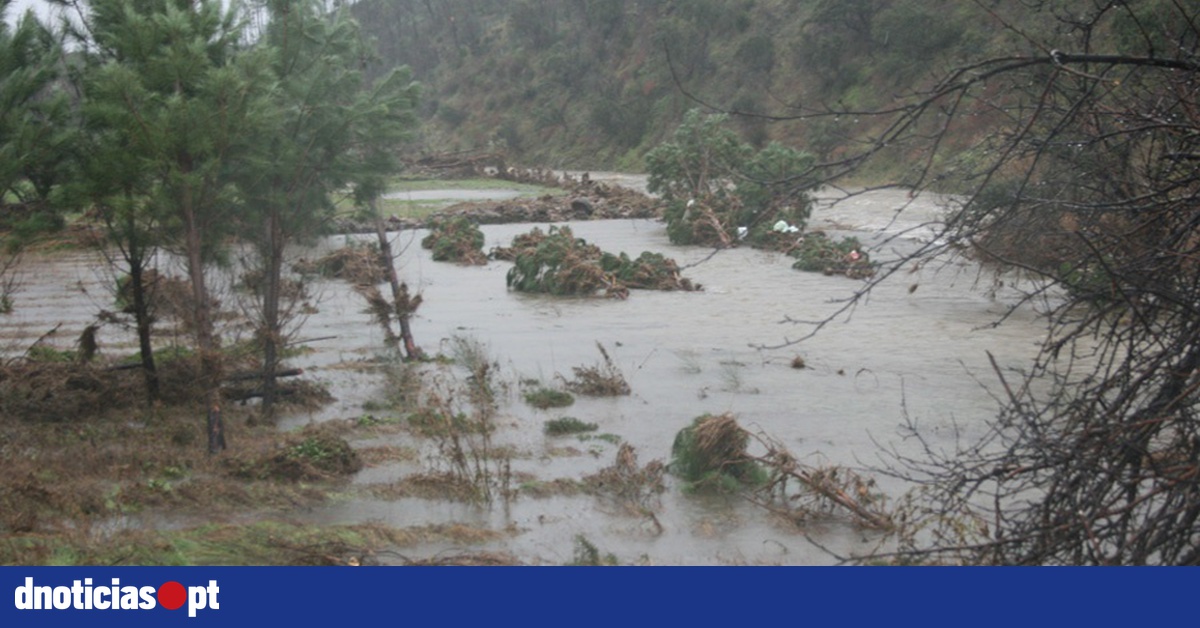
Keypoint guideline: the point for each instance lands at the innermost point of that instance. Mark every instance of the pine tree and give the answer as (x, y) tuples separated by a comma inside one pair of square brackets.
[(36, 137), (329, 131), (170, 82)]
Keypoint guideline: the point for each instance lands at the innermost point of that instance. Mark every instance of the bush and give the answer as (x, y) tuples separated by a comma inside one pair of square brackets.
[(719, 190), (568, 425), (816, 252), (711, 453), (558, 263), (456, 240), (602, 380), (544, 398)]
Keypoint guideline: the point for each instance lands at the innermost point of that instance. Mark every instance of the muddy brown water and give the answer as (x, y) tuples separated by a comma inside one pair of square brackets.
[(921, 351)]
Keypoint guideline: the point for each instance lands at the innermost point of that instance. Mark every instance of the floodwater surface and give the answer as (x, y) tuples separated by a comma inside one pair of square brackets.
[(915, 350)]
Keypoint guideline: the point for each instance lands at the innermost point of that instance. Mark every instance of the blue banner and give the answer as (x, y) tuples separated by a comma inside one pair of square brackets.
[(574, 596)]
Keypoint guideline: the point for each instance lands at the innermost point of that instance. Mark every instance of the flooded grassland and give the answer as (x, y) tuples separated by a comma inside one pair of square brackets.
[(916, 351)]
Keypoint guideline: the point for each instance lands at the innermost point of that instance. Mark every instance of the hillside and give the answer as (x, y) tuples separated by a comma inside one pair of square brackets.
[(597, 83)]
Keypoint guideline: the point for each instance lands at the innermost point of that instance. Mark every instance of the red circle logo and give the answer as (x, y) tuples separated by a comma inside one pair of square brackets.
[(171, 595)]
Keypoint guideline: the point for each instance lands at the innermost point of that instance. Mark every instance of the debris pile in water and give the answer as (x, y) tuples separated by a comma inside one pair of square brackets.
[(358, 264), (456, 240), (601, 380), (711, 453), (558, 263), (582, 199)]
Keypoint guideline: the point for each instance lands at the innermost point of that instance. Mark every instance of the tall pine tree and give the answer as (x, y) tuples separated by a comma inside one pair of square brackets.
[(169, 80), (330, 133)]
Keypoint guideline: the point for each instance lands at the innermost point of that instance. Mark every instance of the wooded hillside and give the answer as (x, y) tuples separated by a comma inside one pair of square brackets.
[(597, 83)]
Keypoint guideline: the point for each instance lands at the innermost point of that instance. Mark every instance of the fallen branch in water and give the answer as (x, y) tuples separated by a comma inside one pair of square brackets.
[(823, 488)]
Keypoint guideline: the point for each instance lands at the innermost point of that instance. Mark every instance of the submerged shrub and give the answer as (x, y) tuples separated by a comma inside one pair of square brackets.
[(356, 263), (720, 191), (588, 555), (816, 252), (543, 398), (558, 263), (308, 457), (711, 453), (456, 240), (568, 425)]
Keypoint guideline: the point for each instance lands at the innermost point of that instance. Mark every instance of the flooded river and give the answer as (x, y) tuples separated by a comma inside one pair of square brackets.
[(919, 345)]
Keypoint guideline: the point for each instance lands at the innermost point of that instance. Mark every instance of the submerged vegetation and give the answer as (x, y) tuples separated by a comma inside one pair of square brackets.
[(721, 193), (711, 454), (600, 380), (557, 263), (456, 239), (544, 398), (567, 425)]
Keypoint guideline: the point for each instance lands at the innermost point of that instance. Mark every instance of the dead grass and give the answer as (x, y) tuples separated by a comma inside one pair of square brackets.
[(384, 454), (467, 559), (70, 475), (558, 487), (360, 264), (601, 380), (258, 543), (635, 487), (64, 392), (448, 486)]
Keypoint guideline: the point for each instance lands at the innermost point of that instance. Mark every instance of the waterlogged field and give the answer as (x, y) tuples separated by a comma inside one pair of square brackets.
[(483, 473), (417, 199)]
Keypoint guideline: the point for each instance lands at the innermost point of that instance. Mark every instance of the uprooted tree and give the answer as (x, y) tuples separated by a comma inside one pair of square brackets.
[(1084, 178)]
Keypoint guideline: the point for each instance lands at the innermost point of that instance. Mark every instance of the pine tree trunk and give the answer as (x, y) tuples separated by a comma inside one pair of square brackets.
[(143, 322), (271, 332), (210, 358)]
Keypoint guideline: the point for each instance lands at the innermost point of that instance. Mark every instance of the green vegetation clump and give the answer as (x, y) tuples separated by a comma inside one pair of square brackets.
[(720, 191), (558, 263), (649, 271), (711, 454), (45, 353), (568, 425), (313, 457), (543, 398), (456, 240), (588, 555), (817, 252)]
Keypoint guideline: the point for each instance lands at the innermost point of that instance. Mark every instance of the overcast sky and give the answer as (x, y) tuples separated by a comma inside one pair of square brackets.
[(18, 8)]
